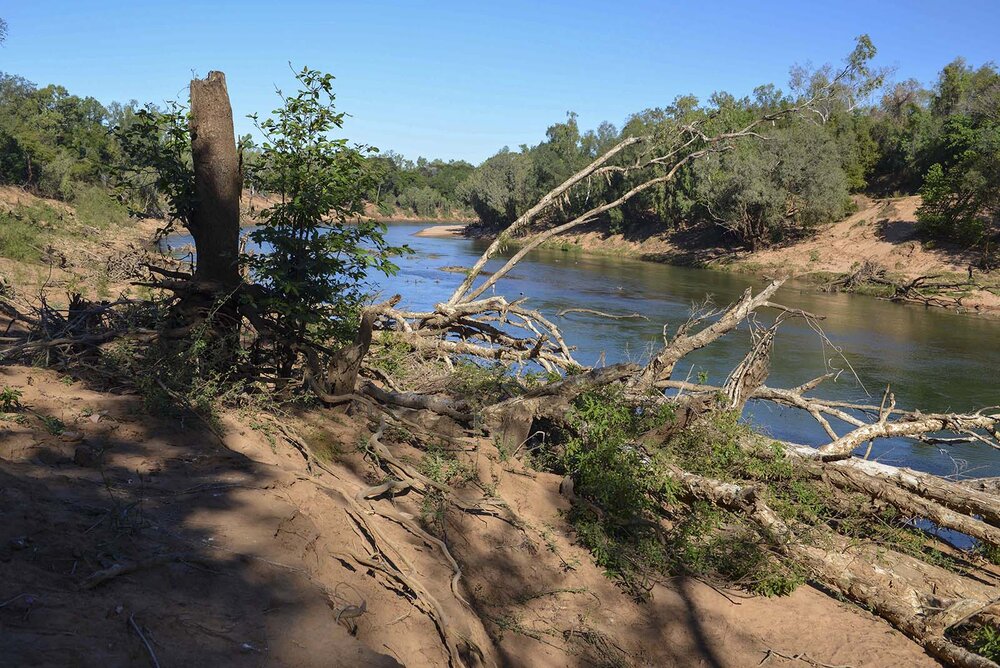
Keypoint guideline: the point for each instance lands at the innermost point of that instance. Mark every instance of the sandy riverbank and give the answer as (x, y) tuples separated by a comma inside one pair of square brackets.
[(442, 231)]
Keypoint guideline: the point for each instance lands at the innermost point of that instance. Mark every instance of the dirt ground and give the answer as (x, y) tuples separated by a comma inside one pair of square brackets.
[(883, 231), (127, 535)]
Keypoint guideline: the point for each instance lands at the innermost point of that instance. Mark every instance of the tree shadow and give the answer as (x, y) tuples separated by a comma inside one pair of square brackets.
[(906, 233), (126, 535)]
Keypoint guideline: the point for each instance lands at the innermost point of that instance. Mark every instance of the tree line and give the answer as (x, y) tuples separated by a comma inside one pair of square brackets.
[(60, 145), (942, 141)]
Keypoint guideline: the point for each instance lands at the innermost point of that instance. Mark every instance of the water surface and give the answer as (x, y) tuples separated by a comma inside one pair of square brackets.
[(935, 360)]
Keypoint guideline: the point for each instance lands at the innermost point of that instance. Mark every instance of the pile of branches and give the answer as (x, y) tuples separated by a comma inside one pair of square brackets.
[(37, 331), (924, 600), (927, 290)]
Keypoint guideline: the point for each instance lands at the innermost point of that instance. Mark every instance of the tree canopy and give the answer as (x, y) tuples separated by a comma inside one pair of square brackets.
[(939, 141)]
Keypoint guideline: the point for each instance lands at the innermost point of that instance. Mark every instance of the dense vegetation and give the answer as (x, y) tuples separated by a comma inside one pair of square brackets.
[(63, 146), (942, 141), (425, 188), (54, 143)]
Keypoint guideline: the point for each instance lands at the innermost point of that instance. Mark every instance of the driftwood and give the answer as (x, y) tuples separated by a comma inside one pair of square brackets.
[(881, 581), (982, 427), (927, 290)]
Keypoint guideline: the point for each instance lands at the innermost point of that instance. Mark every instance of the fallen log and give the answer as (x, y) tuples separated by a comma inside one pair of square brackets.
[(878, 579), (456, 410)]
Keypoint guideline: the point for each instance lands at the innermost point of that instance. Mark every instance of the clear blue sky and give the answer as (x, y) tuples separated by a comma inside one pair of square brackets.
[(462, 79)]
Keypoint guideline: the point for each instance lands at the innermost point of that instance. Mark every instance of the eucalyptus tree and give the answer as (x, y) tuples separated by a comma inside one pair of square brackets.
[(654, 158)]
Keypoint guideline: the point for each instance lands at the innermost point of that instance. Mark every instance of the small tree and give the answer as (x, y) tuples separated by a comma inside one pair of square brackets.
[(318, 247)]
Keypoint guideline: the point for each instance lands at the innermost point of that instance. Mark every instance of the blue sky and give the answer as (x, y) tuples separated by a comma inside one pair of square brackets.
[(462, 79)]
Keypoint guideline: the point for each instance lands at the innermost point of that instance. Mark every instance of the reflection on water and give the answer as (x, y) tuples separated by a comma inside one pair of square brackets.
[(935, 360)]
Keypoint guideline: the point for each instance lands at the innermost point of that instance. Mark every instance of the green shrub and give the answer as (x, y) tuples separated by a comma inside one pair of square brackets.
[(95, 208), (442, 467), (709, 542), (27, 229), (987, 642), (621, 481), (481, 384), (10, 400)]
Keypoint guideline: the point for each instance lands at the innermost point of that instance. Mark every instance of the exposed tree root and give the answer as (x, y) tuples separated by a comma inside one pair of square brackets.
[(923, 290)]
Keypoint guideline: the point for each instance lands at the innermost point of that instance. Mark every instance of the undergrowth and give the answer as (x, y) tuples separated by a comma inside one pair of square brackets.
[(194, 374), (10, 399), (987, 642), (630, 518), (26, 230), (391, 356), (481, 384), (981, 638), (441, 466)]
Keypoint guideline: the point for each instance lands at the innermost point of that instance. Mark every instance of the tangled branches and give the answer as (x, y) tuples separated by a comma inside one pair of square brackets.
[(60, 335), (927, 290)]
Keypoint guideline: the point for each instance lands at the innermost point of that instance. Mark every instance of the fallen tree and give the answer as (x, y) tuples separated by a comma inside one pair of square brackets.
[(928, 290), (921, 598)]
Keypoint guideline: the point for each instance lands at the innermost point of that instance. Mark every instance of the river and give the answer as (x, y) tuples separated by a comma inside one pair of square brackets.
[(935, 360)]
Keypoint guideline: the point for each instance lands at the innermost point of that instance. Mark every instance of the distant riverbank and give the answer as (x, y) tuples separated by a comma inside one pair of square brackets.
[(881, 232), (442, 231)]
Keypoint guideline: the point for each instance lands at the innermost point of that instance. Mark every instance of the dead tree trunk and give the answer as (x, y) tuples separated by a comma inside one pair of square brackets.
[(215, 221)]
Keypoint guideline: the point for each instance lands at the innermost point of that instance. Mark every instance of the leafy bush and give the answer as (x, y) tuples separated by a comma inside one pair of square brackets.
[(422, 201), (765, 192), (96, 208), (962, 203), (10, 400), (621, 481), (21, 238), (320, 248), (500, 189), (608, 464)]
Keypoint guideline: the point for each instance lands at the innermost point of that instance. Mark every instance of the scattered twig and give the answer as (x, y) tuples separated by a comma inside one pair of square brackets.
[(145, 641)]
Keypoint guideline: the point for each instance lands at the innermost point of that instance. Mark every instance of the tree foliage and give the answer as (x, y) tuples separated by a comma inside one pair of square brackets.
[(310, 281), (961, 188), (423, 188), (319, 248), (764, 192), (51, 142), (800, 175), (155, 172)]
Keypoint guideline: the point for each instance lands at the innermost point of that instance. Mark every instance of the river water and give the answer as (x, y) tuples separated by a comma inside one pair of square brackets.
[(934, 360)]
